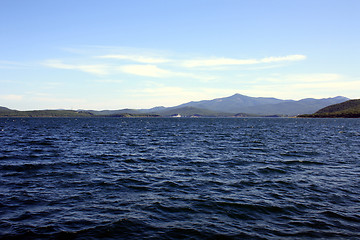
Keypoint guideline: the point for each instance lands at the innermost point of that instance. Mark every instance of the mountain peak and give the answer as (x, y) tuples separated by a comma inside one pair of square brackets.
[(239, 103)]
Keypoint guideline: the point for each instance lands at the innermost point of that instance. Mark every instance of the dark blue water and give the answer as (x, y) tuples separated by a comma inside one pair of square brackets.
[(101, 178)]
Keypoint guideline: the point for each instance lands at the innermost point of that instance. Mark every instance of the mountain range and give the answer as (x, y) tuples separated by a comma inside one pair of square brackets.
[(235, 105), (238, 103)]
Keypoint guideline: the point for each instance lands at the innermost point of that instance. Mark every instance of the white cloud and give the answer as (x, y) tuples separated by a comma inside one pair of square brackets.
[(98, 69), (52, 85), (58, 100), (303, 86), (232, 61), (135, 58), (217, 62), (41, 100), (146, 70), (14, 65), (163, 91), (108, 81), (7, 80), (282, 59), (316, 77), (156, 72), (11, 97), (300, 78), (333, 86), (8, 62)]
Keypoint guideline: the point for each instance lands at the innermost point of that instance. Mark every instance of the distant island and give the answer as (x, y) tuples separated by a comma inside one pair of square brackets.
[(236, 105), (5, 112), (348, 109)]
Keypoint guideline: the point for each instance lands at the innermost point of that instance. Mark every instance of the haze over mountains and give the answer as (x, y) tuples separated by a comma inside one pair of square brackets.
[(238, 103), (235, 105)]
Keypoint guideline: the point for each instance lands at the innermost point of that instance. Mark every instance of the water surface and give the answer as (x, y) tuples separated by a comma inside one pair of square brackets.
[(161, 178)]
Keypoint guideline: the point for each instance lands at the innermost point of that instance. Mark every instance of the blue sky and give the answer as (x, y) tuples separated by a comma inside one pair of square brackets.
[(114, 54)]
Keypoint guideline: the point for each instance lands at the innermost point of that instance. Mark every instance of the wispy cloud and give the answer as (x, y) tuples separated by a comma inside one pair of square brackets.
[(57, 100), (135, 58), (282, 59), (12, 64), (156, 66), (154, 71), (108, 81), (315, 77), (232, 61), (146, 70), (164, 91), (11, 97), (302, 78), (317, 85), (333, 86), (99, 69)]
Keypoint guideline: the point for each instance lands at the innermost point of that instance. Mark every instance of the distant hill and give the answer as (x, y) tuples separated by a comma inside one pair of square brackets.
[(126, 111), (293, 108), (161, 111), (113, 112), (4, 109), (45, 113), (263, 106), (348, 109), (189, 112)]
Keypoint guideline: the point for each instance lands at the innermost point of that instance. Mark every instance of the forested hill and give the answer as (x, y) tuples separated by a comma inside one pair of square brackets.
[(4, 109), (5, 112), (348, 109)]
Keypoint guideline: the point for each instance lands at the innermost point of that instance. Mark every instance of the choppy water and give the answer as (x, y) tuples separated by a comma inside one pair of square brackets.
[(179, 178)]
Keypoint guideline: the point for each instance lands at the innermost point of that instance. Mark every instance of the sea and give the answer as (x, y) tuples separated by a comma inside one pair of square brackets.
[(179, 178)]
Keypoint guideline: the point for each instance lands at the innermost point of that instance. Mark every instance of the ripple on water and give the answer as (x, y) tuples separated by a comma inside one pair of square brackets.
[(179, 179)]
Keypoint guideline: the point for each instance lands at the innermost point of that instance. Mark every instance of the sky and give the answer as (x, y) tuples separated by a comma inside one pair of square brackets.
[(115, 54)]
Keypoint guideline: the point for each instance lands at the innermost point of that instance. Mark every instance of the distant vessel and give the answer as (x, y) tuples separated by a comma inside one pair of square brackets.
[(176, 116)]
